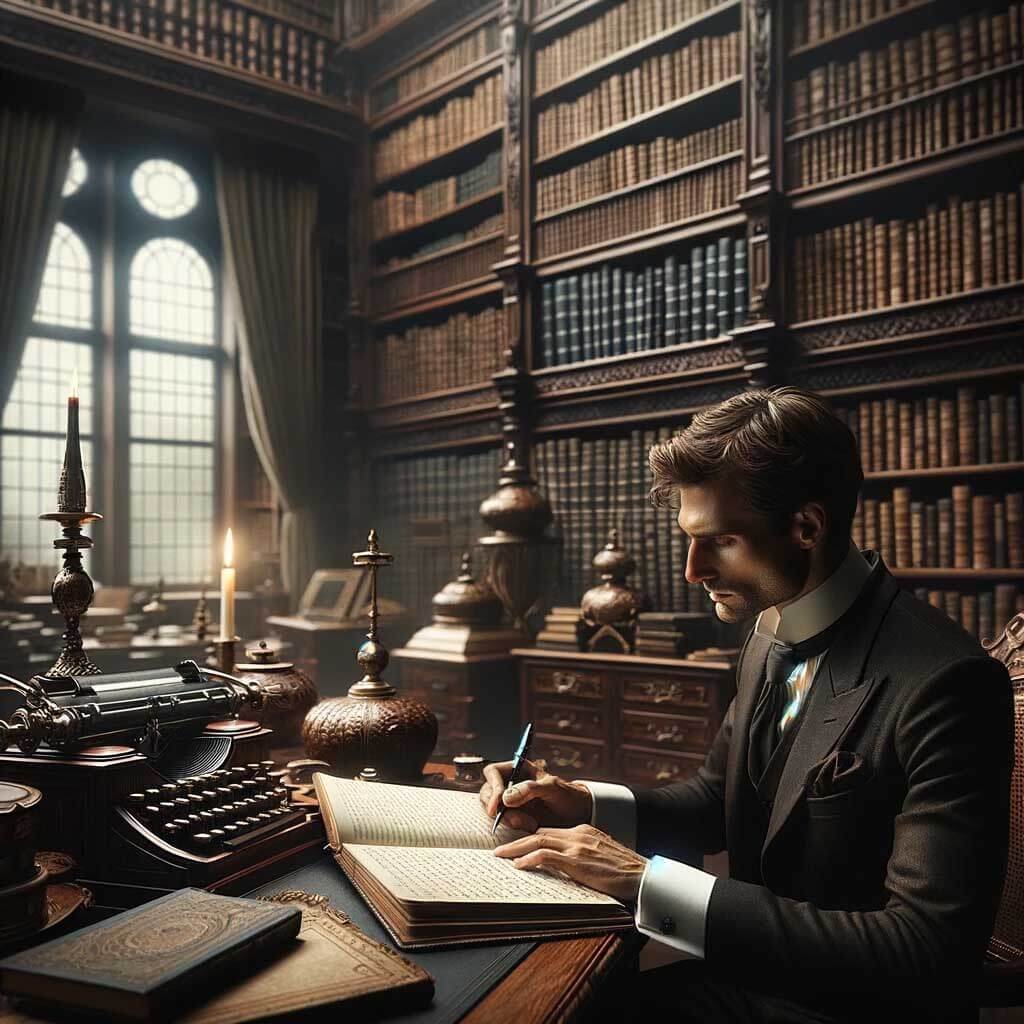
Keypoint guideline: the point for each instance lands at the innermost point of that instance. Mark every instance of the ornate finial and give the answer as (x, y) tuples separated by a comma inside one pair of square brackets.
[(373, 656), (466, 568), (613, 539)]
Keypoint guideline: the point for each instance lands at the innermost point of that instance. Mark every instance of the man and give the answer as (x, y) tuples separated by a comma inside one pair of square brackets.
[(859, 781)]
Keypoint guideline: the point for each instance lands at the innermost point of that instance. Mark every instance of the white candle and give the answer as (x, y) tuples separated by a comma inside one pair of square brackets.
[(227, 590)]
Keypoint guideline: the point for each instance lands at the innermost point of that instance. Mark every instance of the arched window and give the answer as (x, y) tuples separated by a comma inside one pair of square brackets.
[(32, 428), (147, 352)]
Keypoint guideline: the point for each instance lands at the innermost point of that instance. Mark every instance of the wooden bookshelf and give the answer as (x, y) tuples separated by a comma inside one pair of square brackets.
[(598, 413)]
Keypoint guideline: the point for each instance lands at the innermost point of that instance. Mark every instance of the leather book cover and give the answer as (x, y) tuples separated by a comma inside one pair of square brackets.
[(333, 964), (149, 961)]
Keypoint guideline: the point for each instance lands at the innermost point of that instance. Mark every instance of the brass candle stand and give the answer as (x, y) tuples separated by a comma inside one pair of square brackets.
[(72, 590)]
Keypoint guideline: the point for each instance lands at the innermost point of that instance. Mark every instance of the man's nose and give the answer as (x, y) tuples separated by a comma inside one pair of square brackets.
[(698, 565)]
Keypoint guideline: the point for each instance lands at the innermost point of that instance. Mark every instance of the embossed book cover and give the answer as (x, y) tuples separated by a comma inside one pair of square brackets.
[(423, 861), (155, 959)]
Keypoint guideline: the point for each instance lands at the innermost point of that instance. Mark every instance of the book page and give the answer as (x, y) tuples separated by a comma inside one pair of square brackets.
[(380, 814), (467, 876)]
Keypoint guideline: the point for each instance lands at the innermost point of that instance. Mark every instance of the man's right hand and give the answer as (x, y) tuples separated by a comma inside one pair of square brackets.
[(538, 800)]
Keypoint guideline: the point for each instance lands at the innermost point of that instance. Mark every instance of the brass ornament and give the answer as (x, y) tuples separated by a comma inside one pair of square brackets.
[(609, 611), (373, 726)]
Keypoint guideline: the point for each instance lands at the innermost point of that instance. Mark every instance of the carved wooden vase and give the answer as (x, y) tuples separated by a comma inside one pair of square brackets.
[(288, 693)]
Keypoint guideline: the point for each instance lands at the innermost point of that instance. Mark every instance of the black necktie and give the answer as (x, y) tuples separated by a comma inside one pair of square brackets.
[(783, 658)]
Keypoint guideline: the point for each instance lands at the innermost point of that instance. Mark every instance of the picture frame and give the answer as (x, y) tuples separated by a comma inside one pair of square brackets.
[(331, 594)]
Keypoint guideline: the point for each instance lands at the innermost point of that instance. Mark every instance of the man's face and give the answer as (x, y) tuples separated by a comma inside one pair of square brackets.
[(740, 558)]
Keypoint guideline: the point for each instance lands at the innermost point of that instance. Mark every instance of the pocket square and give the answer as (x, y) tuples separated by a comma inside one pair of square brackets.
[(840, 772)]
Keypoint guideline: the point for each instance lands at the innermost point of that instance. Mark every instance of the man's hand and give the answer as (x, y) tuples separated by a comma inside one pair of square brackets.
[(540, 799), (584, 854)]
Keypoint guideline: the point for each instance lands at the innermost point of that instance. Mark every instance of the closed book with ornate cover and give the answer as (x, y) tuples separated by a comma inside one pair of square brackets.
[(423, 859), (151, 961)]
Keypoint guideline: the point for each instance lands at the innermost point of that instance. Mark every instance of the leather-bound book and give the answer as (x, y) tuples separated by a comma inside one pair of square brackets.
[(150, 962), (961, 526)]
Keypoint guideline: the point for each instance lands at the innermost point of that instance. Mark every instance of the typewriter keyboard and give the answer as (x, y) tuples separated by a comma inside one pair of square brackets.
[(216, 812)]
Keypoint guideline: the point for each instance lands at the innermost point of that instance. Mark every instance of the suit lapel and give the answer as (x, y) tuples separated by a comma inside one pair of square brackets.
[(836, 697)]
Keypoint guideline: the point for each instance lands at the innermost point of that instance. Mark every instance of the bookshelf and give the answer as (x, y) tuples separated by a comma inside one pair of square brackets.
[(693, 197)]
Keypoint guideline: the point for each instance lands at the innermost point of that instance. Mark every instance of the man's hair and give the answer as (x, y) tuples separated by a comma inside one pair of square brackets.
[(780, 447)]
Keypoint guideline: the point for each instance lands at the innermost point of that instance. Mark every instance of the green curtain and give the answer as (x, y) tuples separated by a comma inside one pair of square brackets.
[(268, 223), (38, 130)]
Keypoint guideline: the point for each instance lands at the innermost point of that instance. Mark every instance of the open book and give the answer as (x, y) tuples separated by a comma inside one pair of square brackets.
[(422, 859)]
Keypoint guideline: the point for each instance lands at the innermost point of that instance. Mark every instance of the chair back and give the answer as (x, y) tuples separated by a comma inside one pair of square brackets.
[(1007, 941)]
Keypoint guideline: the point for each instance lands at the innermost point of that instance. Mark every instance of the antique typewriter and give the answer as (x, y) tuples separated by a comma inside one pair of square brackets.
[(152, 781)]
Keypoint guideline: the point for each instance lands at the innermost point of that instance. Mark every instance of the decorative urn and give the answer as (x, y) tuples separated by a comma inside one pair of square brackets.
[(609, 611), (288, 693), (372, 727)]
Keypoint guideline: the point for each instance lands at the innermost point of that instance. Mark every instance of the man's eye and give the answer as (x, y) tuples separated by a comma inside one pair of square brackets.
[(723, 542)]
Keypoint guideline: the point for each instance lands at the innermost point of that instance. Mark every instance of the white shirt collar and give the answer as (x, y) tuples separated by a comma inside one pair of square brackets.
[(818, 609)]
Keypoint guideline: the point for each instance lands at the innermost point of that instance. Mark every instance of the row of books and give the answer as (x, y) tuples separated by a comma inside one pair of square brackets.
[(382, 10), (927, 433), (635, 163), (430, 513), (464, 349), (698, 194), (618, 28), (980, 109), (850, 268), (427, 135), (614, 310), (661, 79), (397, 211), (468, 49), (984, 613), (222, 31), (978, 42), (811, 21), (487, 226), (961, 531), (596, 484), (446, 271)]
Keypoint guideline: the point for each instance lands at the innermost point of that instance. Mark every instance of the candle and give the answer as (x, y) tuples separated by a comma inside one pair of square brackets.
[(71, 492), (227, 590)]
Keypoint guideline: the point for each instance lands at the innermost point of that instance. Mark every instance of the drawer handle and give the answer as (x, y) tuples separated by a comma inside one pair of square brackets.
[(566, 682), (561, 761), (669, 736), (439, 687), (565, 723), (666, 773), (664, 694)]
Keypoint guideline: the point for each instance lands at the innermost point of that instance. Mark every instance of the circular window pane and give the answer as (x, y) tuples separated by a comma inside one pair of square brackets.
[(164, 189), (78, 172)]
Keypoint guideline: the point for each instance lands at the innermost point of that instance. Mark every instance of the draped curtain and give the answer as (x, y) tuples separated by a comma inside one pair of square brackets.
[(38, 130), (268, 220)]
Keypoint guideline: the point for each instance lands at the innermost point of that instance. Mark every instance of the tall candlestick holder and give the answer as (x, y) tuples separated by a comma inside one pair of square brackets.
[(72, 590)]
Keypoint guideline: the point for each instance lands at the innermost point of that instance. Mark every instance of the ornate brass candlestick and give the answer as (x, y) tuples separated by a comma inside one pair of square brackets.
[(372, 727), (72, 590)]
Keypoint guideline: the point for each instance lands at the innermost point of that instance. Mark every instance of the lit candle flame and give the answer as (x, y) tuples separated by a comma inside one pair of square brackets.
[(229, 549), (74, 384)]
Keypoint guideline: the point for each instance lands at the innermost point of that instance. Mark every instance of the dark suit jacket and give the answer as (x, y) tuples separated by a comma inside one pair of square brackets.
[(883, 895)]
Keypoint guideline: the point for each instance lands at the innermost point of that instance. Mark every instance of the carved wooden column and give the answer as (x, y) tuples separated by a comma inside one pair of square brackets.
[(763, 338)]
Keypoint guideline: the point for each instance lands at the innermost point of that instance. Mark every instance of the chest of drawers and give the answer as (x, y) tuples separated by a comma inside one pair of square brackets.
[(473, 697), (622, 718)]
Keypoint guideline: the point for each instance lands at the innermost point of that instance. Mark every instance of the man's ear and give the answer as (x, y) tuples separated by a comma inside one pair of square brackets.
[(809, 522)]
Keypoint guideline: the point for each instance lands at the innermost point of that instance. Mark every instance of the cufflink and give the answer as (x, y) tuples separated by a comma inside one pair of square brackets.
[(668, 926)]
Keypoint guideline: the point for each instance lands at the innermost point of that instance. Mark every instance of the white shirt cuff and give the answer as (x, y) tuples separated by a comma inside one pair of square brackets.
[(672, 904), (614, 811)]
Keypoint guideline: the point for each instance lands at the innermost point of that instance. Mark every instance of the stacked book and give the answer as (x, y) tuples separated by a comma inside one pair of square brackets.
[(672, 634), (559, 632)]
